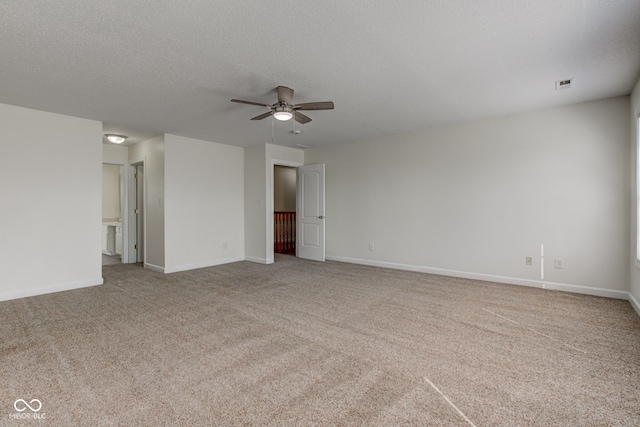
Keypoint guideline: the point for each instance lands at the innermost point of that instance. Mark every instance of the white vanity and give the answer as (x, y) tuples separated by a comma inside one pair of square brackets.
[(112, 237)]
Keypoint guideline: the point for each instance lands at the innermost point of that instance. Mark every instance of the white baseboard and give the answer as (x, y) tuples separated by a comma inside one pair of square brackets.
[(202, 264), (23, 293), (576, 289), (634, 303), (489, 278), (155, 268), (259, 260)]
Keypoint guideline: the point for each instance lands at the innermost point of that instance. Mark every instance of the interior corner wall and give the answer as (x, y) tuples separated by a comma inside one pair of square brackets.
[(51, 202), (151, 151), (634, 287), (476, 199), (255, 226), (258, 197), (204, 203)]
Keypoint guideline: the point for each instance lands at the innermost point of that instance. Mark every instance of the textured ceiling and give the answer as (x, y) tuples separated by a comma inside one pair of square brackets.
[(148, 67)]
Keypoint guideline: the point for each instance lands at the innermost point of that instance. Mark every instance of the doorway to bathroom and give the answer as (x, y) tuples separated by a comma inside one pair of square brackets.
[(112, 213)]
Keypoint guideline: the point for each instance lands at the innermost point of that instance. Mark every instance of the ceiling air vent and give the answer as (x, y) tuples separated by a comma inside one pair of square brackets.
[(564, 84)]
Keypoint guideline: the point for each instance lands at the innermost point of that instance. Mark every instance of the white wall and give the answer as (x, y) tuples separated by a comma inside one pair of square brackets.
[(204, 203), (51, 202), (475, 199), (635, 265), (115, 154), (255, 226), (151, 152), (111, 181)]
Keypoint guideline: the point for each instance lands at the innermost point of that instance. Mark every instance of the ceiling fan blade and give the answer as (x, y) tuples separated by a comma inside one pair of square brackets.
[(240, 101), (285, 94), (328, 105), (262, 116), (301, 118)]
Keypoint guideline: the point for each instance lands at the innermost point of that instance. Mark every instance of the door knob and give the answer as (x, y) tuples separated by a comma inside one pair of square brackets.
[(321, 217)]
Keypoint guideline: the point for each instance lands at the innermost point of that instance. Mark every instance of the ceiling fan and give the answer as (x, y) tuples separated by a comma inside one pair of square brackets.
[(284, 110)]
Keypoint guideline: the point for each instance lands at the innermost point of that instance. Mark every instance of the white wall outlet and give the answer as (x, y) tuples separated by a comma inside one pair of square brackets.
[(558, 263), (372, 247), (529, 260), (224, 246)]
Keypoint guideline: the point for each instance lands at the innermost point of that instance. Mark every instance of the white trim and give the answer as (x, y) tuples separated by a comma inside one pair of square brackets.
[(587, 290), (155, 268), (202, 264), (287, 163), (634, 303), (490, 278), (258, 260), (23, 293)]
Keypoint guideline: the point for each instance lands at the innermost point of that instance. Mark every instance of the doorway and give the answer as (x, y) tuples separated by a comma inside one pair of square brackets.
[(284, 209), (112, 217), (309, 211)]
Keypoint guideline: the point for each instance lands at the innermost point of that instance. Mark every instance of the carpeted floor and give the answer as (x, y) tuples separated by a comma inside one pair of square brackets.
[(305, 343)]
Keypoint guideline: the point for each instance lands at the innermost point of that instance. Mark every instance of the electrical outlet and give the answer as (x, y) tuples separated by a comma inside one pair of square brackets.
[(224, 246), (529, 260), (558, 263), (372, 247)]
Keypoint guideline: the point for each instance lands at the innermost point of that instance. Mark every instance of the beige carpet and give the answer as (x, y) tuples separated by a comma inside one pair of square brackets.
[(304, 343)]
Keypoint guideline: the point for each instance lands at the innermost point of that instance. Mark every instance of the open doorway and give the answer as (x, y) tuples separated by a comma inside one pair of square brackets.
[(309, 234), (112, 208), (284, 210)]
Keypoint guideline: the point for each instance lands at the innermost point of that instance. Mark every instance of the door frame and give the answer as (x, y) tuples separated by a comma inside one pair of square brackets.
[(130, 215), (276, 162), (124, 201)]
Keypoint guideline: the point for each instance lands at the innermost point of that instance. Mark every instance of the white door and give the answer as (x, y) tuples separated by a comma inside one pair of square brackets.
[(310, 216), (140, 196), (136, 214)]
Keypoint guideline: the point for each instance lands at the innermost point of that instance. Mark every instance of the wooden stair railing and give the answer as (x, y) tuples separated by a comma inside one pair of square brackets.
[(284, 230)]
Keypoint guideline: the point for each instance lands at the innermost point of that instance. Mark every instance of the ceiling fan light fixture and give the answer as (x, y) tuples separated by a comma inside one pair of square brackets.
[(284, 110), (282, 115), (116, 139)]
